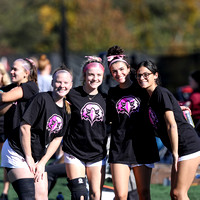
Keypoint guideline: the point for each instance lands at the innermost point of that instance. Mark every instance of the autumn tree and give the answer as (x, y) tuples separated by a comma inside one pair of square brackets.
[(163, 27), (92, 26), (149, 26), (19, 27), (95, 25)]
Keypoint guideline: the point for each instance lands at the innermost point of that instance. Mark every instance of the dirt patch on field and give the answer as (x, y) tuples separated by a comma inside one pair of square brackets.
[(162, 172)]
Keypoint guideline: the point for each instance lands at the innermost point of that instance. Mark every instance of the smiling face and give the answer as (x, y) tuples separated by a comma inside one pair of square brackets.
[(62, 83), (93, 78), (146, 79), (18, 73), (120, 72)]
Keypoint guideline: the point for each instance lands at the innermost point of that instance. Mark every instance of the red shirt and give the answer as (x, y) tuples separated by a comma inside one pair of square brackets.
[(195, 105)]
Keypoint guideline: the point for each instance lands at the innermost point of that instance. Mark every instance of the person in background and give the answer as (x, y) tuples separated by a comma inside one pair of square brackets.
[(4, 80), (54, 171), (194, 99), (84, 145), (133, 145), (174, 131), (44, 74)]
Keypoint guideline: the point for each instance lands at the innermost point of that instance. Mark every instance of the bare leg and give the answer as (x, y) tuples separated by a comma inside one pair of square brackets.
[(6, 183), (120, 177), (75, 171), (23, 182), (143, 178), (41, 188), (184, 178), (96, 177), (19, 173)]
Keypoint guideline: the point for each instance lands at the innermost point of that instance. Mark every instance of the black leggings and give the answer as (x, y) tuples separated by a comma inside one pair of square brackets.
[(54, 171), (25, 188)]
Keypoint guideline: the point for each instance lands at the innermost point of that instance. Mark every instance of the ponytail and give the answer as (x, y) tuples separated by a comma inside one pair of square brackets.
[(67, 106)]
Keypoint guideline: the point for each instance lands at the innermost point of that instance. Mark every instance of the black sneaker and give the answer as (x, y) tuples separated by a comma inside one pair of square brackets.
[(4, 197)]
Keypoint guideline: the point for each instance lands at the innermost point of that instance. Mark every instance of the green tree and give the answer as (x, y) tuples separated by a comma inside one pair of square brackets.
[(149, 26), (163, 27), (19, 27), (94, 26)]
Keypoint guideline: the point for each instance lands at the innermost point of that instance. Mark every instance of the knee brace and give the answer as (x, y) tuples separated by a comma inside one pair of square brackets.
[(78, 188), (24, 188)]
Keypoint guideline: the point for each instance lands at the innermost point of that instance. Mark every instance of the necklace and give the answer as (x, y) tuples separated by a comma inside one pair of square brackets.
[(91, 96)]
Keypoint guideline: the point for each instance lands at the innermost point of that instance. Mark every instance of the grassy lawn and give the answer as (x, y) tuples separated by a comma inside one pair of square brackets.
[(157, 191), (162, 192)]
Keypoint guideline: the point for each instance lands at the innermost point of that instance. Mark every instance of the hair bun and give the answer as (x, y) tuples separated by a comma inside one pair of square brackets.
[(43, 57), (115, 50)]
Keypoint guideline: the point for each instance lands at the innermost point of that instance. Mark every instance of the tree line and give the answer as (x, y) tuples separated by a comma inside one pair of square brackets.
[(149, 26)]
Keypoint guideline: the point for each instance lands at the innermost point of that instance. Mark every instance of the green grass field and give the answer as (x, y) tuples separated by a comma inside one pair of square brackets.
[(157, 191)]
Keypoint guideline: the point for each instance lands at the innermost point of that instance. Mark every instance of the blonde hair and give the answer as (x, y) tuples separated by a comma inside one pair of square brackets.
[(6, 78), (43, 62), (63, 68), (67, 106), (29, 65)]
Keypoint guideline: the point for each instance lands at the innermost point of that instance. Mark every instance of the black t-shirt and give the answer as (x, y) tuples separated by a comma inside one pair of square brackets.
[(86, 137), (47, 121), (197, 128), (13, 116), (162, 100), (2, 133), (132, 138), (8, 87)]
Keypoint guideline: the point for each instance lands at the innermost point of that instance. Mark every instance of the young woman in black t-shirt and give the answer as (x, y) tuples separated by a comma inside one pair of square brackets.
[(133, 145), (13, 101), (45, 121), (175, 132), (85, 143), (43, 125)]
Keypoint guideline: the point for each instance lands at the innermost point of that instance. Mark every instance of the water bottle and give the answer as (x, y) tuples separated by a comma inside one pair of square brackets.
[(166, 182), (197, 176), (60, 196), (188, 117)]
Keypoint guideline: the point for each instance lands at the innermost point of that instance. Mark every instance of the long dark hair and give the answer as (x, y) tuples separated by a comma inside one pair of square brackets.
[(150, 66), (116, 50)]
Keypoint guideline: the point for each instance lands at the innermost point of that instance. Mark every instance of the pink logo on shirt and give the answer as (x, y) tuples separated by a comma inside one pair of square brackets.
[(54, 124), (153, 118), (127, 105), (92, 112)]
